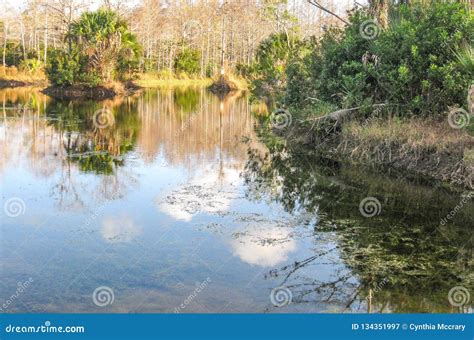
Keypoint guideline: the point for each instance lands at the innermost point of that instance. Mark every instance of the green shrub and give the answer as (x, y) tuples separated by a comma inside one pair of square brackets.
[(188, 61), (273, 55), (421, 64), (63, 69)]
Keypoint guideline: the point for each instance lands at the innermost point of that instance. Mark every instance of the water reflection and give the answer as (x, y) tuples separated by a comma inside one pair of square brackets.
[(119, 229), (180, 188), (264, 246), (403, 260)]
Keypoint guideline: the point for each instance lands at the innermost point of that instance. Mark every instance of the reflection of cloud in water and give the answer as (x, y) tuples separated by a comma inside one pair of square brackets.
[(211, 191), (266, 247), (121, 229)]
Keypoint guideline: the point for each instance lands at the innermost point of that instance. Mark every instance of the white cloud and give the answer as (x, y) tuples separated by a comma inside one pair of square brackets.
[(120, 229)]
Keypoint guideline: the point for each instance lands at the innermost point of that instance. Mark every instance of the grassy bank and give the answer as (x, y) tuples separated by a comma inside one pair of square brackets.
[(160, 80), (13, 77), (223, 84), (399, 98), (420, 147)]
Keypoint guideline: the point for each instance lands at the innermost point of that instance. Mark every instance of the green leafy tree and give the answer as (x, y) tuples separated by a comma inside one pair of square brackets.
[(273, 56), (188, 61)]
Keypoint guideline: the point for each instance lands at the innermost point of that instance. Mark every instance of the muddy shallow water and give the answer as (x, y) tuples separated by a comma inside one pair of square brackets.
[(173, 201)]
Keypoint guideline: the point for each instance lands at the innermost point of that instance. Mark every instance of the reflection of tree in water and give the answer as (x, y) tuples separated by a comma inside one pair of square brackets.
[(190, 134), (399, 261), (186, 99), (97, 150), (183, 126)]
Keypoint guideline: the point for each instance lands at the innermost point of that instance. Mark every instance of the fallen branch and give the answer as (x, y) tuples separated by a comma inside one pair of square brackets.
[(317, 5)]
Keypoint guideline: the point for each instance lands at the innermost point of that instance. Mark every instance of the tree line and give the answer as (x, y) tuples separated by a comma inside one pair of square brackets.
[(196, 37)]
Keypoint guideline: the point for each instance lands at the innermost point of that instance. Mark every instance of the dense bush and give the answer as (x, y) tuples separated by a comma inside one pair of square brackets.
[(273, 56), (13, 54), (188, 61), (64, 69), (420, 63)]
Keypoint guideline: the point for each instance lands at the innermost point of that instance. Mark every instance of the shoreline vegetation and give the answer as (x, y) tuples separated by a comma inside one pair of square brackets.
[(430, 150), (386, 86), (379, 92)]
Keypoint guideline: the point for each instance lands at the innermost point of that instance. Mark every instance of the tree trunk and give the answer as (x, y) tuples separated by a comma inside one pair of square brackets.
[(223, 46), (46, 40), (380, 10), (5, 32)]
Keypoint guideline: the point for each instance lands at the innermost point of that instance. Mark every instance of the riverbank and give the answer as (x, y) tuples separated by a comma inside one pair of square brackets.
[(223, 84), (11, 77), (428, 148), (101, 92), (151, 80)]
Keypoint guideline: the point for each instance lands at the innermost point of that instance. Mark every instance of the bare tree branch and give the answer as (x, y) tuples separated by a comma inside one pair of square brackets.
[(317, 5)]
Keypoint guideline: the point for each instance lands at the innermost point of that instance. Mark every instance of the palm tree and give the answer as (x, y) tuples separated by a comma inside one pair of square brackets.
[(380, 10), (104, 38)]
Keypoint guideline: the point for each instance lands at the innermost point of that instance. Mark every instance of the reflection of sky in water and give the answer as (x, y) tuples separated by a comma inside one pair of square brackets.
[(173, 214), (156, 213), (264, 247), (119, 229)]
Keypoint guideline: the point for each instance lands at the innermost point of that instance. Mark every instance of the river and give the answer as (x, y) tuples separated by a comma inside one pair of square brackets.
[(177, 201)]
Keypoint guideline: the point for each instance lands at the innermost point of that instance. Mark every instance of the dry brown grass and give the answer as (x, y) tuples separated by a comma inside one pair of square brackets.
[(425, 147), (13, 73), (169, 80), (416, 133), (228, 82)]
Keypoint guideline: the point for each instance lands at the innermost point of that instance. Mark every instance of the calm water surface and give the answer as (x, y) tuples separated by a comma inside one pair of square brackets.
[(176, 201)]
